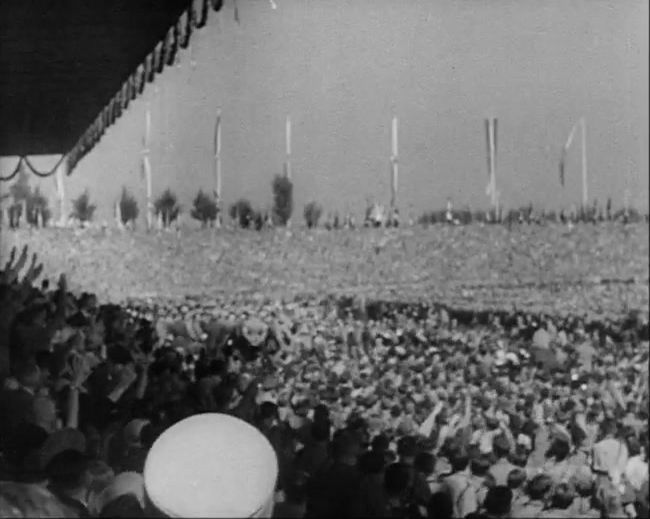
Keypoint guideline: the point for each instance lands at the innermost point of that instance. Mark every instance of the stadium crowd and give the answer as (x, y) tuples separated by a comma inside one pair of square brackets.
[(374, 410)]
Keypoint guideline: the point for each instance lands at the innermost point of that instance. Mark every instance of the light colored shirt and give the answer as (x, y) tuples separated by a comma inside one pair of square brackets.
[(500, 471), (636, 472), (462, 493), (610, 456)]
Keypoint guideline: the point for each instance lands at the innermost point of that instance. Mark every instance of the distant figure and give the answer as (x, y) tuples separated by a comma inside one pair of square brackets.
[(353, 223), (15, 212), (328, 222), (378, 216), (449, 214), (259, 221), (337, 223)]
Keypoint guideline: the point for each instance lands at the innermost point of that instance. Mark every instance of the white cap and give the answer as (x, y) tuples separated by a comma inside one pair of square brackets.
[(212, 465)]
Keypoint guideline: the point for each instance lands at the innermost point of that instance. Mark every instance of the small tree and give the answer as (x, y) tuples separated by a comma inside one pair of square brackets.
[(129, 210), (167, 206), (20, 189), (82, 209), (205, 209), (37, 204), (312, 213), (282, 198), (242, 212)]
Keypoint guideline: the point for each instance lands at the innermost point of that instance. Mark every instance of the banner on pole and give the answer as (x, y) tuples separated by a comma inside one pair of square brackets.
[(564, 153)]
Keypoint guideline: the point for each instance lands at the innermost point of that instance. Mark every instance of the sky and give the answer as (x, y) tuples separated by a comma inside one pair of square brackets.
[(343, 68)]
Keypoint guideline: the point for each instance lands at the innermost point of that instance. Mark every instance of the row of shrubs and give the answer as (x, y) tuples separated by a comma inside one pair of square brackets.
[(24, 198), (206, 210), (594, 213)]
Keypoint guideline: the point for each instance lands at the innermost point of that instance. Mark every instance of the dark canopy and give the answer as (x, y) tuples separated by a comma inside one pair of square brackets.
[(61, 61)]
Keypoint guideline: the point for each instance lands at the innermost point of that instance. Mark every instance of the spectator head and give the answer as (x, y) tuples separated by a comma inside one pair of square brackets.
[(633, 446), (559, 449), (21, 500), (583, 482), (608, 427), (68, 472), (28, 374), (320, 431), (22, 452), (101, 475), (149, 434), (132, 433), (346, 447), (380, 443), (520, 456), (480, 465), (371, 462), (407, 449), (425, 463), (610, 502), (498, 501), (516, 478), (321, 413), (44, 413), (268, 412), (440, 506), (458, 458), (578, 436), (126, 505), (500, 446), (397, 479), (296, 488), (539, 487), (562, 496), (111, 498), (217, 367), (492, 423)]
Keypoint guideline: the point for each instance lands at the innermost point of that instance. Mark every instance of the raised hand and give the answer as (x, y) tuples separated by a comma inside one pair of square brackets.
[(126, 376), (11, 271), (21, 261), (81, 370), (63, 283), (34, 270), (12, 258)]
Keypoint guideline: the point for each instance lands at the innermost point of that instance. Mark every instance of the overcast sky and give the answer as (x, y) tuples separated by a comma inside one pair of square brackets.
[(342, 68)]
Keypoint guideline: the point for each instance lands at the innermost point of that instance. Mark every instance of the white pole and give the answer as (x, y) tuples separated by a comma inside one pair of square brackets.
[(288, 145), (493, 186), (217, 156), (60, 189), (394, 159), (288, 152), (585, 192), (147, 168), (118, 214)]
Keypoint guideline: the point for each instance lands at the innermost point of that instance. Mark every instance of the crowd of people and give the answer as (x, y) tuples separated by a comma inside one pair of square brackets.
[(373, 409)]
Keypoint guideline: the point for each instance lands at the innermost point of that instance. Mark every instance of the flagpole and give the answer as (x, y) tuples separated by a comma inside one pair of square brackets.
[(118, 214), (491, 164), (494, 167), (60, 188), (147, 168), (394, 161), (585, 193), (287, 135), (217, 157), (288, 146)]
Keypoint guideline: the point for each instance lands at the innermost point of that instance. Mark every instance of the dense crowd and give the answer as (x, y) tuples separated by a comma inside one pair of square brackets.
[(373, 409)]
